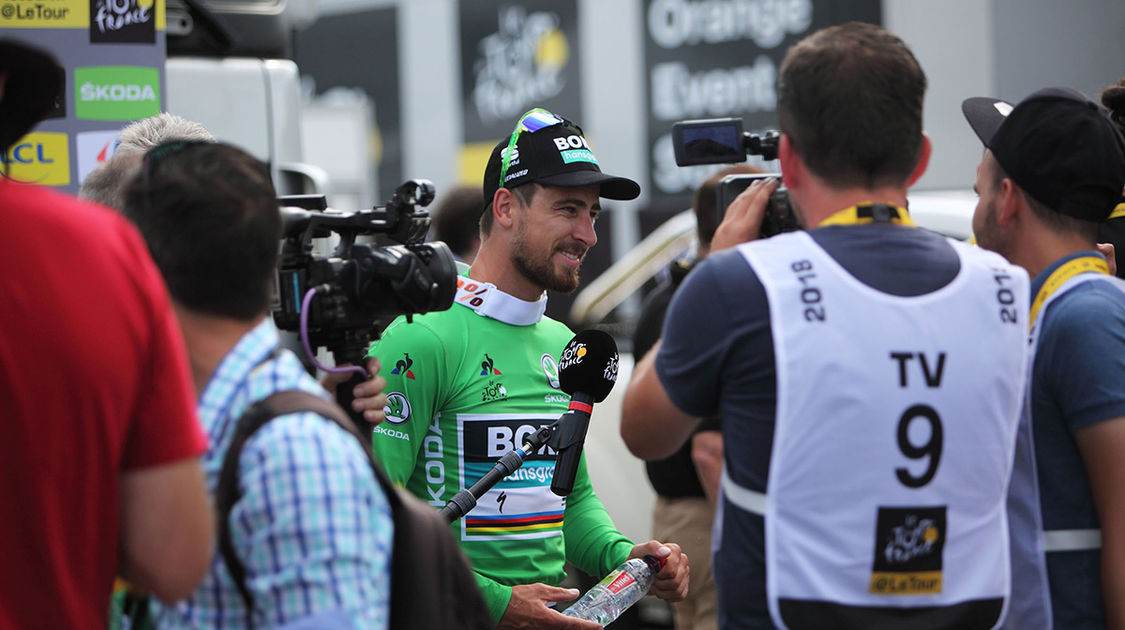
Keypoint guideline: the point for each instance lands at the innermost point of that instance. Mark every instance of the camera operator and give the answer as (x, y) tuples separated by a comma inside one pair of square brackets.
[(100, 459), (487, 366), (311, 526), (868, 373), (1052, 172)]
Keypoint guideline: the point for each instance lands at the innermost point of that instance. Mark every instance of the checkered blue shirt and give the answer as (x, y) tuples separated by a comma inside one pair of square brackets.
[(312, 527)]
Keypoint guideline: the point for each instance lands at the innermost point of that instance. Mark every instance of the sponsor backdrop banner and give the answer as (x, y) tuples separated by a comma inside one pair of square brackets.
[(369, 41), (514, 56), (717, 59), (113, 54)]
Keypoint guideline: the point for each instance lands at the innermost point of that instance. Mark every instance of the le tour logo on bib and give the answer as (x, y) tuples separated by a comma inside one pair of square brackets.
[(116, 92)]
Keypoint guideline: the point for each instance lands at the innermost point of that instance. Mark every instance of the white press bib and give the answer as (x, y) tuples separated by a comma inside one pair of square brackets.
[(896, 424)]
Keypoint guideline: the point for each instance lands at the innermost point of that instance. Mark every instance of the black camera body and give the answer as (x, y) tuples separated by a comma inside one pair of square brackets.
[(723, 141), (343, 301), (779, 215)]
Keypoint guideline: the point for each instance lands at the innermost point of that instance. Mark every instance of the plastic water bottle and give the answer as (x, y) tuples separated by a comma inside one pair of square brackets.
[(617, 591)]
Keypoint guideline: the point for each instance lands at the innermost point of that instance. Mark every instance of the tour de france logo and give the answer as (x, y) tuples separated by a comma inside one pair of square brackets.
[(522, 63), (122, 21)]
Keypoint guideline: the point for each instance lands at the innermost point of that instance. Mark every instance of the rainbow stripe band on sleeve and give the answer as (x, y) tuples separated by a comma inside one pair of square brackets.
[(504, 525)]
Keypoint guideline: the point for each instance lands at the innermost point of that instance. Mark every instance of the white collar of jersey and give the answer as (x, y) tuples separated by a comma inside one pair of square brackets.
[(487, 300)]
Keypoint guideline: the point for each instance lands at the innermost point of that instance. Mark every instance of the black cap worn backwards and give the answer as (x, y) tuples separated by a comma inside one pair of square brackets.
[(1059, 146), (557, 155), (34, 84)]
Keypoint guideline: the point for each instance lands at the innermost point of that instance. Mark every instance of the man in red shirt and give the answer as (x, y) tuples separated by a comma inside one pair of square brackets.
[(99, 460)]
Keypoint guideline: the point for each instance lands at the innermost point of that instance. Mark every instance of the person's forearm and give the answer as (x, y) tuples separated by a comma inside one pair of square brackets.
[(1113, 579)]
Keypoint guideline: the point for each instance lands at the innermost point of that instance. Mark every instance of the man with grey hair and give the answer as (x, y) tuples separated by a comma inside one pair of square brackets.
[(106, 183)]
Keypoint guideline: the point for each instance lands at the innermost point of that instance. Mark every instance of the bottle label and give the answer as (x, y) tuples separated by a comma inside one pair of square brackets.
[(620, 583)]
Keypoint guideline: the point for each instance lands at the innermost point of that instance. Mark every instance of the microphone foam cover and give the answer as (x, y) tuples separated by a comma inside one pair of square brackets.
[(588, 364)]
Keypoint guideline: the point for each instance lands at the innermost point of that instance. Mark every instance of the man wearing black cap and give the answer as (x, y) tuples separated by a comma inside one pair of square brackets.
[(469, 382), (100, 457), (1053, 170), (868, 373)]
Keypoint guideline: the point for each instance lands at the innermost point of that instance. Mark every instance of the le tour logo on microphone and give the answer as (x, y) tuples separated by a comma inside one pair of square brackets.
[(572, 355)]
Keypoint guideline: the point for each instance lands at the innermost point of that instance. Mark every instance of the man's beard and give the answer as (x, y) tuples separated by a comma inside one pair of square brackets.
[(541, 269)]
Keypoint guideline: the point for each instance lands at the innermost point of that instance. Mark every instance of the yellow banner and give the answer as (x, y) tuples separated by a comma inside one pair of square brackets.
[(39, 158), (472, 161), (59, 13), (44, 13)]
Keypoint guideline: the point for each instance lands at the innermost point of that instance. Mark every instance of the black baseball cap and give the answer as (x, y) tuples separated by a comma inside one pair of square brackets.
[(34, 83), (550, 150), (1059, 146)]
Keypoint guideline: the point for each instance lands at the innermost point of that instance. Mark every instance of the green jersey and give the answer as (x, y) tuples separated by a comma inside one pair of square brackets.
[(464, 387)]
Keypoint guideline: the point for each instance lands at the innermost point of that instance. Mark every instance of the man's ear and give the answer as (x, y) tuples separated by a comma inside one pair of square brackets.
[(502, 205), (1012, 203), (792, 168), (923, 160)]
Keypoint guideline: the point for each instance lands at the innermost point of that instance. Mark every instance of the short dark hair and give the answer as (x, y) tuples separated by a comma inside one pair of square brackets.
[(1113, 97), (705, 202), (210, 216), (525, 192), (1054, 220), (850, 101), (457, 219)]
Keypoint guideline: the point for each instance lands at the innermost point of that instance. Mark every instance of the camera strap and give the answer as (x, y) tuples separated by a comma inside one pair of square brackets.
[(870, 213)]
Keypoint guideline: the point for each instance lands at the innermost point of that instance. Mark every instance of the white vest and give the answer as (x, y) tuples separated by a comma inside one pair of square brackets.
[(896, 424), (1031, 604)]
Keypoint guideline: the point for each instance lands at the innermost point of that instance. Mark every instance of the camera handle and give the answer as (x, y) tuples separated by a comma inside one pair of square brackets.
[(344, 391)]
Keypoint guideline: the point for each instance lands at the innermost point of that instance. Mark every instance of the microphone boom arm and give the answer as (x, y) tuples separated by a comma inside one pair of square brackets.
[(510, 462)]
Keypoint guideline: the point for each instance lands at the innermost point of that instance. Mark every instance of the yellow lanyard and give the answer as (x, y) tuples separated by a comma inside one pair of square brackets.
[(1082, 264), (869, 213)]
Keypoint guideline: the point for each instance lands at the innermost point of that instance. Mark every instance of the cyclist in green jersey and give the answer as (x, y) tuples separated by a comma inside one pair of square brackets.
[(466, 385)]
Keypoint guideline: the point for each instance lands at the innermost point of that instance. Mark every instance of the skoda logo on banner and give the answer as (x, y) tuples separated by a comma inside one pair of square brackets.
[(39, 158), (116, 92), (122, 22)]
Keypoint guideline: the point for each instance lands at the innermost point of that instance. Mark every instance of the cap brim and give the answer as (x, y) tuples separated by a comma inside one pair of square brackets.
[(985, 115), (620, 188)]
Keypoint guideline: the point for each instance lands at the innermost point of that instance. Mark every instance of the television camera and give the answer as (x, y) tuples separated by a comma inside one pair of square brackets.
[(343, 301), (722, 141)]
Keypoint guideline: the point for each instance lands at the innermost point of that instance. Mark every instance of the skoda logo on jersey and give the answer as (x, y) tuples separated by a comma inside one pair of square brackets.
[(397, 409), (550, 370)]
